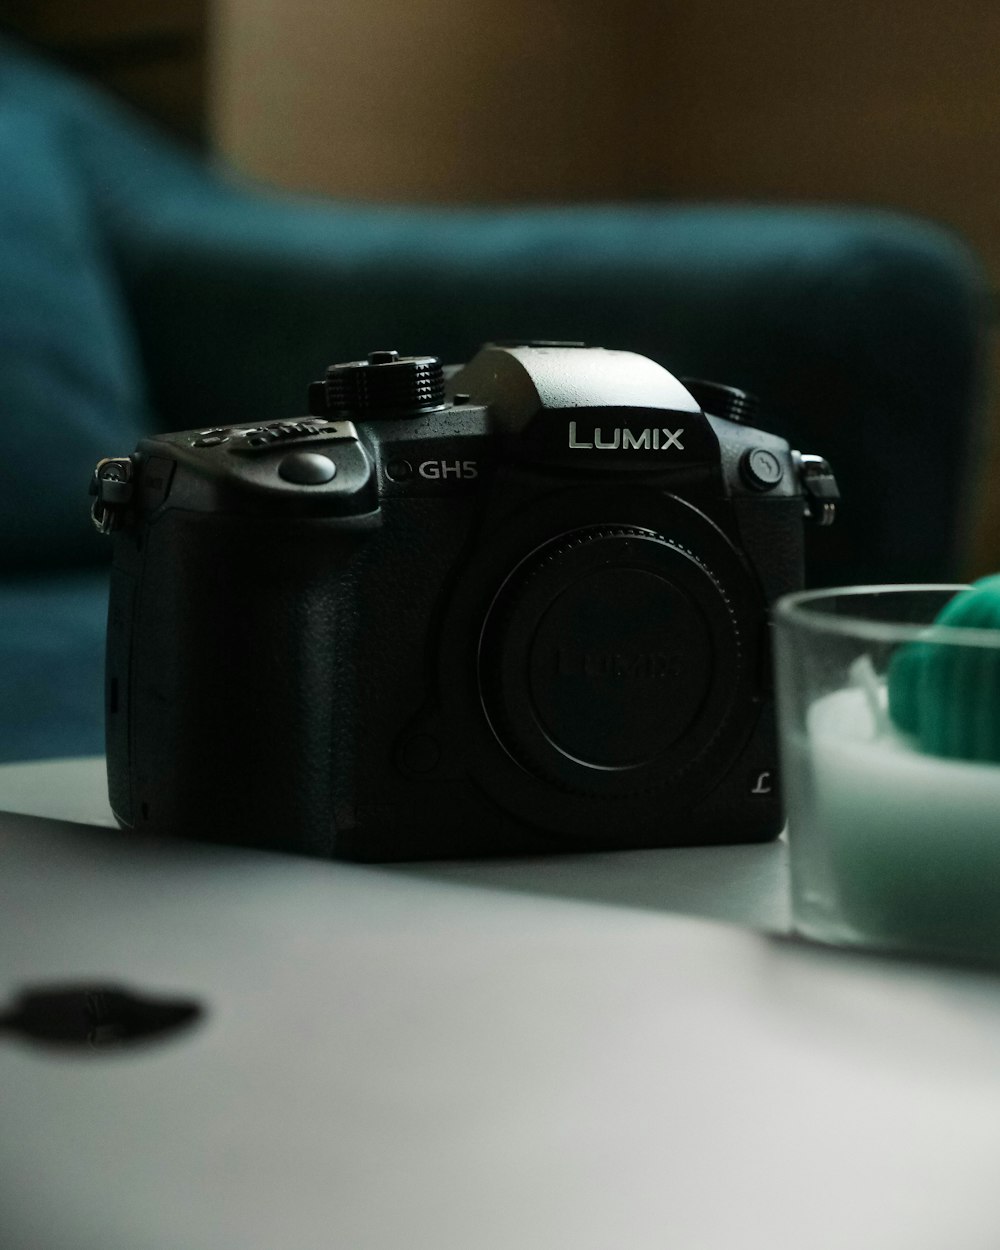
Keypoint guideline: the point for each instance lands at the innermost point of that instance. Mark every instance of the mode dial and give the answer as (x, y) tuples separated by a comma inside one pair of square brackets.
[(385, 384)]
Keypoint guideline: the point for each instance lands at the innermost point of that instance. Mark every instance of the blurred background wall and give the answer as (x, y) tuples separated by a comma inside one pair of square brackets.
[(886, 102), (876, 101)]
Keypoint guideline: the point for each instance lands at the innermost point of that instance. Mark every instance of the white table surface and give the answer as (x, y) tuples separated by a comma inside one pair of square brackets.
[(742, 884), (488, 1057)]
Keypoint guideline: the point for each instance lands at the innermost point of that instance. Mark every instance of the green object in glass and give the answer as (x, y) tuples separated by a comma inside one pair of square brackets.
[(947, 695)]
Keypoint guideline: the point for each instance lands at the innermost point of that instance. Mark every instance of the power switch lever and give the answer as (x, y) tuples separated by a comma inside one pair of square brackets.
[(819, 487)]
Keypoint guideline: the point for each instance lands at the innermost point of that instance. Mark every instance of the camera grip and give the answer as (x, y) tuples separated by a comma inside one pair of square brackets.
[(223, 719)]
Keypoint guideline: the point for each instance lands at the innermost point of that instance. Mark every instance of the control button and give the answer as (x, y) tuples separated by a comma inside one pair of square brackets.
[(398, 470), (211, 440), (255, 436), (280, 431), (262, 437), (761, 468), (307, 468), (220, 429)]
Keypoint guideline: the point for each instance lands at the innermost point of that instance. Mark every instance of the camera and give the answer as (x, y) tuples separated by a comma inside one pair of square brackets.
[(518, 606)]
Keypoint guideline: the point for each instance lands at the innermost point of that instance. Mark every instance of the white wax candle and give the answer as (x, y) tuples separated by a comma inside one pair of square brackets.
[(900, 847)]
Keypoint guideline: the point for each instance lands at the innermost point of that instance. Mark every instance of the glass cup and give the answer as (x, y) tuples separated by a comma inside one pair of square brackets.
[(890, 752)]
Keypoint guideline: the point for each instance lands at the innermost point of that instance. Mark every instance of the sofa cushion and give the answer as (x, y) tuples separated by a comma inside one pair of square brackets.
[(52, 664), (70, 385)]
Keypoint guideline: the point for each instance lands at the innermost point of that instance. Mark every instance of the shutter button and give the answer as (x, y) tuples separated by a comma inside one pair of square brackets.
[(307, 468)]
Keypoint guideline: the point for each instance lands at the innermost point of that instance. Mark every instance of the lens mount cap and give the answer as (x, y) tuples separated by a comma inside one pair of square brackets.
[(603, 661)]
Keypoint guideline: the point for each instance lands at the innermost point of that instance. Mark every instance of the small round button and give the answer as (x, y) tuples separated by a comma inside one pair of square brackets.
[(307, 468), (761, 468), (211, 440)]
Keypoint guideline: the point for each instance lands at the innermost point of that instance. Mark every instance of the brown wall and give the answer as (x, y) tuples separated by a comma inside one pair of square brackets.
[(436, 100), (889, 102)]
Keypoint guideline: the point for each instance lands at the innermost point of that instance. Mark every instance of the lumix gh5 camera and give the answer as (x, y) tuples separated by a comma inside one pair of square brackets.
[(515, 606)]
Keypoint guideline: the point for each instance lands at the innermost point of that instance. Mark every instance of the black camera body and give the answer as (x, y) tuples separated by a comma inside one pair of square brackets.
[(519, 606)]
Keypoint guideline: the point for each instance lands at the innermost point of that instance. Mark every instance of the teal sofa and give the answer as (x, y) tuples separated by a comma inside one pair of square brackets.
[(143, 287)]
